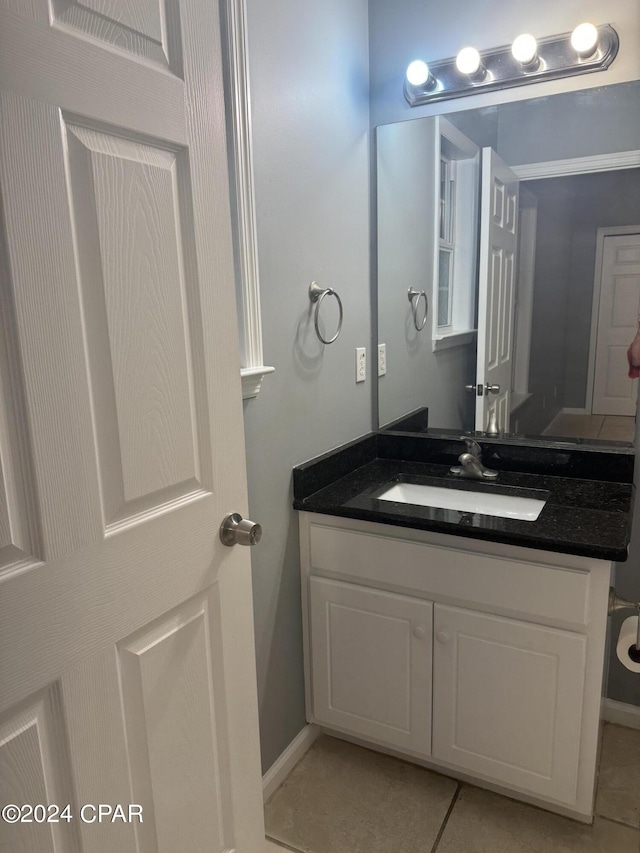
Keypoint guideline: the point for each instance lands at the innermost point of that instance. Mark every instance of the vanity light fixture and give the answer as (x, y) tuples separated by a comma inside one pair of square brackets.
[(525, 51), (528, 60), (468, 62), (418, 74), (584, 40)]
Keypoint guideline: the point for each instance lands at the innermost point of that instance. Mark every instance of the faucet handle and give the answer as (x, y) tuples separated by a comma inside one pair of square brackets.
[(472, 446)]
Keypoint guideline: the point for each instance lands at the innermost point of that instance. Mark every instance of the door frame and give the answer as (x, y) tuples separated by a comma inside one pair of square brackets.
[(614, 161)]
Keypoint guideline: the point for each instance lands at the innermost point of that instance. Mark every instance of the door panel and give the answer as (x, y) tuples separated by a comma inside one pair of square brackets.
[(508, 700), (127, 670), (135, 252), (170, 701), (35, 768), (135, 26), (496, 289), (19, 527), (371, 663)]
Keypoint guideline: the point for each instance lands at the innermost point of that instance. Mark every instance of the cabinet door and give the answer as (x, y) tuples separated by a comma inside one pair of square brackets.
[(371, 655), (508, 700)]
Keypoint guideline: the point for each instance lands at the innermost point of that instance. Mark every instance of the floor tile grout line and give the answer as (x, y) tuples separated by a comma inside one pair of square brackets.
[(454, 800), (282, 844)]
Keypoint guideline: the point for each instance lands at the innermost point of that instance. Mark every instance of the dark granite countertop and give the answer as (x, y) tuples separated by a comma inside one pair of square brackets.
[(588, 495)]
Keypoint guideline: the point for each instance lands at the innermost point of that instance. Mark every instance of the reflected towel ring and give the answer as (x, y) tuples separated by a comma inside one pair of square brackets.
[(317, 294), (414, 299)]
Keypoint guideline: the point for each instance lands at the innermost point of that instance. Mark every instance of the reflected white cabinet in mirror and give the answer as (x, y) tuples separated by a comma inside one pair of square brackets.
[(577, 157), (481, 660)]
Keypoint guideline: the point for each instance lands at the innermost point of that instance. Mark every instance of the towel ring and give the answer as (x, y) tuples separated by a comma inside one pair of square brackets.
[(416, 295), (317, 294)]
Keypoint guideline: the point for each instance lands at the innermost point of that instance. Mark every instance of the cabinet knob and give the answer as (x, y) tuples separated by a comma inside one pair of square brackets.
[(443, 637), (419, 632)]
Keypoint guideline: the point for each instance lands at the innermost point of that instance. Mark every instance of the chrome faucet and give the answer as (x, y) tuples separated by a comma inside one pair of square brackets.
[(471, 465)]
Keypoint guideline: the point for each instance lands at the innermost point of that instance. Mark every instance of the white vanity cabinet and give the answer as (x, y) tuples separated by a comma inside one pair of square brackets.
[(476, 658), (508, 700), (371, 654)]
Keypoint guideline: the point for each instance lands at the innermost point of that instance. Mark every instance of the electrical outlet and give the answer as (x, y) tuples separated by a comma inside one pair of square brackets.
[(361, 364), (382, 359)]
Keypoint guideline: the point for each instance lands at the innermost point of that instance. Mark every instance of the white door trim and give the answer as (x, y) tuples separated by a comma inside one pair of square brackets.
[(607, 231), (242, 184), (578, 165)]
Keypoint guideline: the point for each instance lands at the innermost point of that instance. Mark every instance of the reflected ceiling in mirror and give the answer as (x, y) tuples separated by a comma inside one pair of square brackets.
[(555, 305)]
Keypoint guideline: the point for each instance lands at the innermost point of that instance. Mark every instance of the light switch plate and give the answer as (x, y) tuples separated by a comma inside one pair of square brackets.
[(382, 359)]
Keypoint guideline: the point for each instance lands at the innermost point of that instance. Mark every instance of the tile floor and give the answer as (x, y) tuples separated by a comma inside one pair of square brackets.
[(601, 427), (344, 799)]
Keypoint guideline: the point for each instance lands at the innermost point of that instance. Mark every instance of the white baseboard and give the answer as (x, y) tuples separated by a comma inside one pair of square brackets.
[(620, 713), (570, 411), (284, 764)]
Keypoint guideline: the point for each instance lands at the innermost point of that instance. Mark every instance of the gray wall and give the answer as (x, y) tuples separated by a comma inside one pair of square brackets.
[(573, 124), (584, 123), (606, 199), (309, 92), (624, 686), (570, 211), (551, 309)]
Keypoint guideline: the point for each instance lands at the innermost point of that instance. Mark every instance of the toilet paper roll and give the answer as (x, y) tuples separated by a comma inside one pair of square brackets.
[(626, 642)]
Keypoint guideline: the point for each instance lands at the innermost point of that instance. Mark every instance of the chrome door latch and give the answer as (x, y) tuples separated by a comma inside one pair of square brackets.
[(481, 390), (236, 530)]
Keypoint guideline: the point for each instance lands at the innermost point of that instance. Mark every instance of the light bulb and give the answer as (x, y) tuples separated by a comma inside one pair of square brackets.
[(468, 61), (418, 73), (525, 49), (584, 39)]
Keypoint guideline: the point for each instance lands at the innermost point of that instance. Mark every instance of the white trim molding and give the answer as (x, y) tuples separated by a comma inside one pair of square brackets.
[(620, 713), (453, 339), (578, 165), (252, 379), (253, 369), (284, 764)]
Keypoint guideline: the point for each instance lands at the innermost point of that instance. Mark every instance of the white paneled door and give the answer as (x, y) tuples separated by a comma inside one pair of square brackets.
[(127, 670), (496, 290), (618, 313)]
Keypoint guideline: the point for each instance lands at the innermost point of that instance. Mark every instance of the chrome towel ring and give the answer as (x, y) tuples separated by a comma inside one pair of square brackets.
[(414, 298), (317, 294)]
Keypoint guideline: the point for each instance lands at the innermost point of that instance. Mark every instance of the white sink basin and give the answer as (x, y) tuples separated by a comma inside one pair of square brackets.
[(486, 503)]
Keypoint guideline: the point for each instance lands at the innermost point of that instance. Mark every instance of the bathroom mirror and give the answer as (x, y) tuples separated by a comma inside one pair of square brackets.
[(556, 308)]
